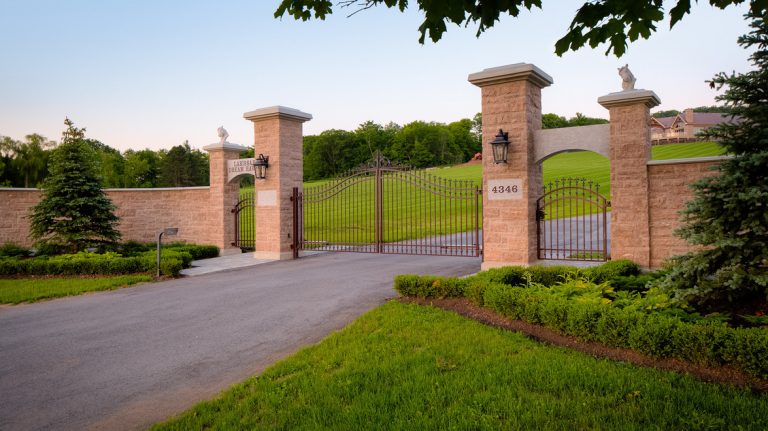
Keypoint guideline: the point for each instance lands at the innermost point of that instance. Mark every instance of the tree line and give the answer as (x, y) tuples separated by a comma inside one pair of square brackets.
[(420, 144), (24, 163)]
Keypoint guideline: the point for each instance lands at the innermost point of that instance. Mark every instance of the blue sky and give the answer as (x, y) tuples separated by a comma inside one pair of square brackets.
[(151, 74)]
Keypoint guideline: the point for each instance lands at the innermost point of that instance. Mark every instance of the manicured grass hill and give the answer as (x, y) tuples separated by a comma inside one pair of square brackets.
[(412, 367)]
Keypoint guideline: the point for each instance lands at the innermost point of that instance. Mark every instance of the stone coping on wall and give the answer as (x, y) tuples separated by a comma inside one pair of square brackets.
[(511, 72), (277, 111), (690, 160), (629, 97)]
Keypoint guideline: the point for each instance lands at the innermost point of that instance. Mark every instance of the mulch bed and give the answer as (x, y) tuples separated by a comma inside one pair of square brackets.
[(725, 375)]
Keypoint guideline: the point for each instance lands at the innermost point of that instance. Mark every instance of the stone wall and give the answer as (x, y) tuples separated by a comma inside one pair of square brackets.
[(143, 213), (668, 192)]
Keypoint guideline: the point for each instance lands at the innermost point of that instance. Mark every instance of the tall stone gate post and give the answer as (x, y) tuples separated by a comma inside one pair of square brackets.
[(223, 195), (511, 100), (630, 151), (278, 135)]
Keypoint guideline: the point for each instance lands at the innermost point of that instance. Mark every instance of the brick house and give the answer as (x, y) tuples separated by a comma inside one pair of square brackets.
[(683, 127)]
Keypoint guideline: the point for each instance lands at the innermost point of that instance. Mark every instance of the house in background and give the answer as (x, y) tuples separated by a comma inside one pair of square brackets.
[(684, 126)]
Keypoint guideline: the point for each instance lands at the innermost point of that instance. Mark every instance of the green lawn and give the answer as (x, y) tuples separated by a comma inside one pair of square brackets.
[(409, 209), (686, 150), (411, 367), (15, 291)]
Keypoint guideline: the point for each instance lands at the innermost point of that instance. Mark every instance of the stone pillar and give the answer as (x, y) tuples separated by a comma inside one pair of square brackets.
[(630, 151), (277, 134), (223, 196), (511, 100)]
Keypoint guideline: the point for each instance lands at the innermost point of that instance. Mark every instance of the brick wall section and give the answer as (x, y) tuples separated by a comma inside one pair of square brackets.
[(143, 213), (668, 188), (511, 100), (277, 134), (630, 151), (14, 209), (223, 196), (509, 227)]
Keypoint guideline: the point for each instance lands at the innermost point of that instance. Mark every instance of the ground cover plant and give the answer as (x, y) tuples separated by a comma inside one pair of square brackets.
[(15, 291), (584, 303), (405, 366)]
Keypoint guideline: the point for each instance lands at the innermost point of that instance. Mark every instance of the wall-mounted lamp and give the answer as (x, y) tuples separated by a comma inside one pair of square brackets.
[(500, 147), (260, 167)]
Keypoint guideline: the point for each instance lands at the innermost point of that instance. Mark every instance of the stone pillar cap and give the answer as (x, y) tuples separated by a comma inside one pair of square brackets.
[(226, 146), (629, 97), (511, 72), (277, 111)]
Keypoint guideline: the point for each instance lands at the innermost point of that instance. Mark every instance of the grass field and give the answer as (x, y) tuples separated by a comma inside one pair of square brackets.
[(410, 209), (15, 291), (417, 368)]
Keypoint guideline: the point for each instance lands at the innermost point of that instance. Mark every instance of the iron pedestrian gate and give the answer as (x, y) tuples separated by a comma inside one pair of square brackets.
[(571, 221), (383, 207), (245, 229)]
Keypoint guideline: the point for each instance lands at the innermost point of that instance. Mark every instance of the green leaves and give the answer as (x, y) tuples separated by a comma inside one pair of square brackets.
[(727, 216), (596, 22)]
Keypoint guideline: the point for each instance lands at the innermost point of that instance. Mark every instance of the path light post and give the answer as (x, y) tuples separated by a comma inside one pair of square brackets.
[(169, 231), (500, 147)]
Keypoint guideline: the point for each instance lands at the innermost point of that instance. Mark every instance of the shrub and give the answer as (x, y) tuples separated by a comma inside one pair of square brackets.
[(85, 263), (197, 251), (550, 275), (612, 269), (575, 308), (10, 249), (429, 286)]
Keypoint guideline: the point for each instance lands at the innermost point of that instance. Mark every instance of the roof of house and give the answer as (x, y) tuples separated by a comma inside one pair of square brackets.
[(699, 118)]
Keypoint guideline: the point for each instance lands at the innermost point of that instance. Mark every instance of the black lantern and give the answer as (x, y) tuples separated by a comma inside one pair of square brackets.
[(260, 167), (500, 146)]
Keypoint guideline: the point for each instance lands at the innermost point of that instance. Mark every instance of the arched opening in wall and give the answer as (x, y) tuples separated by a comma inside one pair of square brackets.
[(244, 210), (572, 213)]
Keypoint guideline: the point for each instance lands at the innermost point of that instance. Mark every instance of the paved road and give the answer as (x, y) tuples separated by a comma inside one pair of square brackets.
[(128, 358)]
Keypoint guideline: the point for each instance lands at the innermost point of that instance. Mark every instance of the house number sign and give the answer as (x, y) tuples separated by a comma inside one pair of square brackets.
[(506, 189)]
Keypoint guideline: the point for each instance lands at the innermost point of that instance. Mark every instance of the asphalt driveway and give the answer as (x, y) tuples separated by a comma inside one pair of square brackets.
[(126, 359)]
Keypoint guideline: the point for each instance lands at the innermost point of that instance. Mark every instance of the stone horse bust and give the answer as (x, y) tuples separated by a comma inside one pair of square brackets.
[(627, 78)]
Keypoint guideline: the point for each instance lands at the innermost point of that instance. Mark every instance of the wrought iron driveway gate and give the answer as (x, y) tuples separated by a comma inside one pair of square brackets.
[(382, 207), (571, 221)]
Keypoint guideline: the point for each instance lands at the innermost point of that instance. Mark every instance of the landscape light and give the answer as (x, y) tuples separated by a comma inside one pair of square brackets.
[(169, 231)]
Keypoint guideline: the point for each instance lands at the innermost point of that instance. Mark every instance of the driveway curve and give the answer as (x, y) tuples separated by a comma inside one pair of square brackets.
[(128, 358)]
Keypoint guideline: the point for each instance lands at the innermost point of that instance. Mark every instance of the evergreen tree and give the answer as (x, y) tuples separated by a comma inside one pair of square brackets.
[(728, 215), (74, 212)]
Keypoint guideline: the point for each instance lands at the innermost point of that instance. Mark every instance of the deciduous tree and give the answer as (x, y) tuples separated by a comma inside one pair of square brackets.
[(597, 21)]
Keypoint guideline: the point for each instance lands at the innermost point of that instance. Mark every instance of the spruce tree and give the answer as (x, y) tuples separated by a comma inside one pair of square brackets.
[(728, 217), (74, 212)]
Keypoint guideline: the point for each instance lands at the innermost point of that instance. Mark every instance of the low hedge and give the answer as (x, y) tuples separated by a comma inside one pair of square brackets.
[(703, 341), (85, 263), (549, 275)]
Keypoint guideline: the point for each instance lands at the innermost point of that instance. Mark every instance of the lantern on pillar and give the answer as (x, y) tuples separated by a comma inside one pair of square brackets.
[(260, 167), (500, 147)]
